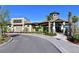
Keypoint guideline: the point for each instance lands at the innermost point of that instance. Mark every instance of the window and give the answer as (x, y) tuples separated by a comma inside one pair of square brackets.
[(17, 21), (27, 25)]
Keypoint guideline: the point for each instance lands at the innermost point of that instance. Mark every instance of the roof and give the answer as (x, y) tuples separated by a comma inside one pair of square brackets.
[(44, 22), (57, 20), (60, 20)]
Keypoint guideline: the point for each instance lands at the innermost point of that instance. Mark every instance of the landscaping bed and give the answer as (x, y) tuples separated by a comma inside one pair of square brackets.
[(4, 39), (50, 34), (44, 33), (74, 39)]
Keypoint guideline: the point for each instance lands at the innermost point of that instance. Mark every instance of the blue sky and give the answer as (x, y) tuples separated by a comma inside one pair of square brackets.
[(38, 13)]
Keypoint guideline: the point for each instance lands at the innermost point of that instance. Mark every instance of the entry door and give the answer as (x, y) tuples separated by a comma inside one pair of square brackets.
[(17, 28)]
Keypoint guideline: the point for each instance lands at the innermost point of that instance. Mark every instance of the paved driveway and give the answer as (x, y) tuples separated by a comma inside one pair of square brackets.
[(28, 44)]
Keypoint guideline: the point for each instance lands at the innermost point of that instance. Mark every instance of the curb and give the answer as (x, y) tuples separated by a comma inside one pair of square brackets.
[(6, 42)]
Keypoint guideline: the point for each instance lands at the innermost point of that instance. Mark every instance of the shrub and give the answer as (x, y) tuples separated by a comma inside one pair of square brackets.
[(76, 37), (50, 34), (4, 36)]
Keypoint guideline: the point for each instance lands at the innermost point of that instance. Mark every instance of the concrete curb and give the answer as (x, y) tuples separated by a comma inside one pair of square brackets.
[(6, 42)]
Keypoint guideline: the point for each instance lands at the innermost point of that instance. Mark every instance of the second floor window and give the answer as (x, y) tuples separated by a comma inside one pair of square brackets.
[(17, 21)]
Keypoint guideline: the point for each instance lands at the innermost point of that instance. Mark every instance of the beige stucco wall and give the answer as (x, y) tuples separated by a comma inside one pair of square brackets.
[(15, 28)]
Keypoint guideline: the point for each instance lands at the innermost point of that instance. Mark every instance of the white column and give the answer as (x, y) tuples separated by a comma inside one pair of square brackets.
[(12, 25), (54, 29), (49, 27), (64, 27), (22, 25), (12, 29), (30, 28)]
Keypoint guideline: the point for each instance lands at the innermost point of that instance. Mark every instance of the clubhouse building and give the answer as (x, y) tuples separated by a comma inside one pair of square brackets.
[(24, 25)]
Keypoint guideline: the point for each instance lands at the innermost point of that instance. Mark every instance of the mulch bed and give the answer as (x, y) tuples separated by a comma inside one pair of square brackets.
[(76, 42), (73, 40)]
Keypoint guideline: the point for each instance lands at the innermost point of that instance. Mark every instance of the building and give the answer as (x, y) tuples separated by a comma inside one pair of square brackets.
[(56, 24), (24, 25), (19, 25)]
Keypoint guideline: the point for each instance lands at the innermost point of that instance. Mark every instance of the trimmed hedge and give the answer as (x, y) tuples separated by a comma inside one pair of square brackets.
[(50, 34), (76, 37)]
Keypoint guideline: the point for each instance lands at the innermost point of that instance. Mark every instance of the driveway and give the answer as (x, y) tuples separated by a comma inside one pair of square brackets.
[(28, 44)]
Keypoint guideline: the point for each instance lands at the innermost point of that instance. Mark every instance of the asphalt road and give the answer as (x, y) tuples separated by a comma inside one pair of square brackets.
[(28, 44)]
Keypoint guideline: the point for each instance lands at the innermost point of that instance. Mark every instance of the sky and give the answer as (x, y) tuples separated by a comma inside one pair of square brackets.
[(38, 13)]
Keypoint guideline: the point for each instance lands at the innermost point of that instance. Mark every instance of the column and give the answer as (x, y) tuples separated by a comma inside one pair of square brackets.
[(64, 28), (23, 25), (54, 29), (30, 28), (49, 27), (61, 27), (12, 29)]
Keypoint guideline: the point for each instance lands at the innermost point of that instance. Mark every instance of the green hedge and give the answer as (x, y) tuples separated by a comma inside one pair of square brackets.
[(50, 34), (76, 37)]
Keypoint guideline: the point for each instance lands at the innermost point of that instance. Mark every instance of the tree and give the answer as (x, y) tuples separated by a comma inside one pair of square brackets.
[(70, 23), (74, 20), (3, 22), (49, 23), (50, 18)]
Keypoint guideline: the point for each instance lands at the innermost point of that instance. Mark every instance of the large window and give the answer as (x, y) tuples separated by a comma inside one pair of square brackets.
[(17, 21), (27, 25)]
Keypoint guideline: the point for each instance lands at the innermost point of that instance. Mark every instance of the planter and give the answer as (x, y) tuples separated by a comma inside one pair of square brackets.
[(76, 41), (70, 38), (50, 34)]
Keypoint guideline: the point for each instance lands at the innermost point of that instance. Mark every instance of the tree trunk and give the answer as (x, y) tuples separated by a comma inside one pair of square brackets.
[(1, 30), (74, 29)]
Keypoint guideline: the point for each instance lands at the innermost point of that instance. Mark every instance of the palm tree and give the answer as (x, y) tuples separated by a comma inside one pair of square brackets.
[(50, 18), (49, 23), (74, 20), (70, 23)]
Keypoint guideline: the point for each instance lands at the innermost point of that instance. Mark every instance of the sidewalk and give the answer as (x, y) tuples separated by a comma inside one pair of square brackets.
[(61, 36), (60, 42)]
